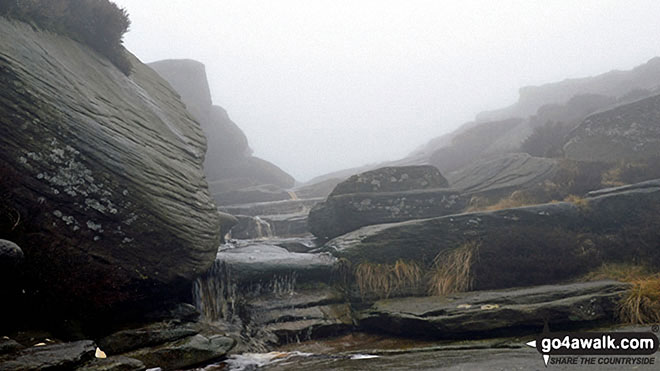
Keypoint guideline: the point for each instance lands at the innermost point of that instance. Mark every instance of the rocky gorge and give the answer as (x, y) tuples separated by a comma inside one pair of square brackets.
[(137, 230)]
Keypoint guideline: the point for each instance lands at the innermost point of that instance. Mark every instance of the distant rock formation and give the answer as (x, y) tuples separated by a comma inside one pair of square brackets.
[(625, 133), (102, 182), (499, 176), (234, 175), (613, 84)]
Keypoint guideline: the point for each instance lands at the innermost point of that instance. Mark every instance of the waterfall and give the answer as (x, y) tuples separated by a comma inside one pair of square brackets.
[(219, 298), (262, 228), (215, 294)]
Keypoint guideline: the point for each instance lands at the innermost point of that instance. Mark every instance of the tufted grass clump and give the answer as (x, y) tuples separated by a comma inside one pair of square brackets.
[(641, 304), (100, 24), (384, 279), (452, 270)]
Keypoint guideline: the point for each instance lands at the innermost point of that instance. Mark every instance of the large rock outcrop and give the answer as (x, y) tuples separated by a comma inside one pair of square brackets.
[(626, 133), (523, 246), (102, 180), (229, 166), (385, 195)]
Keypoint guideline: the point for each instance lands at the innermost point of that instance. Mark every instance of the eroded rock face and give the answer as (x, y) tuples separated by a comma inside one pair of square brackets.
[(501, 175), (105, 171), (386, 195), (628, 132)]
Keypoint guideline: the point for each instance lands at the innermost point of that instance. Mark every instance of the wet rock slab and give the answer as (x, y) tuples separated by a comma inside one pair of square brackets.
[(131, 339), (258, 262), (185, 353), (55, 356), (302, 314), (482, 313)]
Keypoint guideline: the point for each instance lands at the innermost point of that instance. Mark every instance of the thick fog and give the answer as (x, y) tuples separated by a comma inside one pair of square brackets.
[(319, 86)]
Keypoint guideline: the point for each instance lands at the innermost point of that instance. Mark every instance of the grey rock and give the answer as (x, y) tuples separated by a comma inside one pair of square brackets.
[(347, 212), (475, 314), (10, 254), (261, 193), (524, 246), (261, 262), (301, 315), (155, 334), (8, 345), (113, 363), (55, 356), (501, 175), (627, 132), (110, 164), (289, 206), (392, 179), (185, 353)]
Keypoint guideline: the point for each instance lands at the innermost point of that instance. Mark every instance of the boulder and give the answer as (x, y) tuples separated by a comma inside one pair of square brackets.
[(492, 313), (63, 356), (628, 132), (386, 195), (185, 353), (392, 179), (347, 212), (10, 254), (523, 246), (8, 345), (154, 334), (106, 173)]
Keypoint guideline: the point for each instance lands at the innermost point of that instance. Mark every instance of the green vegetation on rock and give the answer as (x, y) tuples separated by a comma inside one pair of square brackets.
[(99, 24)]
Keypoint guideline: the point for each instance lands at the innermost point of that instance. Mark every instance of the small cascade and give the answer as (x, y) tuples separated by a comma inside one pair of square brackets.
[(215, 294), (219, 298), (262, 228)]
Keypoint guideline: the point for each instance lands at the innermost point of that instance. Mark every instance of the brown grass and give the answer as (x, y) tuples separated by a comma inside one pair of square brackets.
[(641, 305), (516, 199), (452, 270), (384, 279), (581, 202)]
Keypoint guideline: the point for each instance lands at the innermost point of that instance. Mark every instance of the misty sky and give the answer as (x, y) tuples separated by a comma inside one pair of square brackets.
[(319, 86)]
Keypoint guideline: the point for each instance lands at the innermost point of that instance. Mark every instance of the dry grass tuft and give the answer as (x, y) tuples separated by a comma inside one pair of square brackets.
[(516, 199), (452, 270), (641, 305), (581, 202), (384, 279)]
